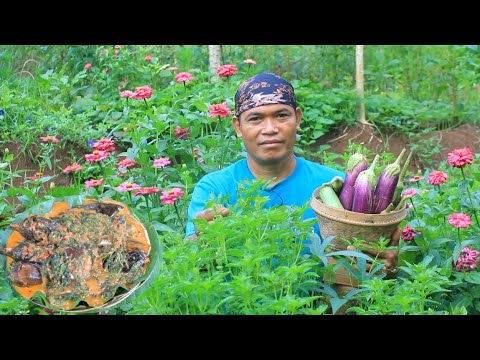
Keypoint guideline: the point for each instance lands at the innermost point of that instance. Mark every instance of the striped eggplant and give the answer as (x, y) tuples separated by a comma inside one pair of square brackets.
[(386, 185), (364, 188), (356, 164)]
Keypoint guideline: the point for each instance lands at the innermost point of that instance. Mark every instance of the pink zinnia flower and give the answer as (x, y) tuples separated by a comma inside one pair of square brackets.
[(161, 162), (127, 93), (93, 183), (460, 157), (143, 92), (88, 66), (221, 110), (49, 138), (126, 163), (97, 155), (148, 58), (37, 175), (249, 62), (416, 178), (437, 177), (183, 76), (408, 233), (169, 197), (409, 192), (226, 70), (127, 186), (73, 167), (181, 133), (147, 190), (467, 260), (104, 144), (460, 220), (117, 47)]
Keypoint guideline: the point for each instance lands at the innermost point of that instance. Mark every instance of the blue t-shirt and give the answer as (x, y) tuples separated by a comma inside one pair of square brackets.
[(296, 189)]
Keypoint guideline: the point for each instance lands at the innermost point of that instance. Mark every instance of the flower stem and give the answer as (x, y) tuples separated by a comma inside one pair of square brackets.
[(470, 198), (178, 215)]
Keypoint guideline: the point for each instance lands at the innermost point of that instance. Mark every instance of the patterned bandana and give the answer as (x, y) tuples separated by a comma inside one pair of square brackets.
[(264, 89)]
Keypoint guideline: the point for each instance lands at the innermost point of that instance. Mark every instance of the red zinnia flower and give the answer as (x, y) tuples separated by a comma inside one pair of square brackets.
[(127, 93), (49, 138), (226, 70), (147, 190), (126, 163), (169, 197), (104, 144), (460, 157), (467, 260), (143, 92), (148, 58), (460, 220), (93, 183), (408, 233), (219, 110), (88, 66), (183, 76), (181, 133), (127, 186), (73, 167), (437, 177)]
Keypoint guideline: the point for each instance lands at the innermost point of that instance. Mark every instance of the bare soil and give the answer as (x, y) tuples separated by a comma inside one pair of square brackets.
[(465, 135)]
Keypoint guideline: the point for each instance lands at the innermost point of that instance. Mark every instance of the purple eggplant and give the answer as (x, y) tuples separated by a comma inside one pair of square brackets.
[(356, 164), (397, 196), (386, 185), (364, 188)]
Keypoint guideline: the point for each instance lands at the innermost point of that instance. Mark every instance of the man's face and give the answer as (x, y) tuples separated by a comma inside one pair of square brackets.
[(268, 132)]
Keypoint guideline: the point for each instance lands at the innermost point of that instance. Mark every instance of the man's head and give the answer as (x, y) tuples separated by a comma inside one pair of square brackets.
[(267, 118)]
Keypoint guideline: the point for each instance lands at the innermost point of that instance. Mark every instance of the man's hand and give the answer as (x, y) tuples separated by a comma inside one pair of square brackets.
[(388, 257), (209, 214)]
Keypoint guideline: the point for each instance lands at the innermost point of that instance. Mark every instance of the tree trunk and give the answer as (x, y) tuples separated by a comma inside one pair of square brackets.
[(214, 60), (360, 83)]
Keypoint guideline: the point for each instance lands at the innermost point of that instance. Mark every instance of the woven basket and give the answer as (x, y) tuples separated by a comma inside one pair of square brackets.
[(346, 225)]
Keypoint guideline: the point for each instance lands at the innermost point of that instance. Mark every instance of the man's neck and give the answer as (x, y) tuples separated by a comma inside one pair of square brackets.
[(279, 171)]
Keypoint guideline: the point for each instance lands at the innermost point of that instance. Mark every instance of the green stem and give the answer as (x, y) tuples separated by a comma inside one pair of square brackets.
[(459, 239), (178, 215), (470, 198)]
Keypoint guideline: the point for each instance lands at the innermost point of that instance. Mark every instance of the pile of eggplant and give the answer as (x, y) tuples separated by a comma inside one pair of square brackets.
[(362, 191)]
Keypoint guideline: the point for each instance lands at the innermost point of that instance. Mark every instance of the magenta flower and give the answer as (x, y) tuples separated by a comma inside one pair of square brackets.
[(408, 233), (127, 186), (183, 77), (416, 178), (460, 220), (143, 92), (220, 110), (161, 162), (148, 58), (93, 183), (459, 158), (147, 190), (49, 138), (37, 175), (127, 93), (126, 163), (226, 70), (72, 168), (409, 192), (104, 144), (97, 155), (437, 177), (467, 260), (87, 66), (169, 197)]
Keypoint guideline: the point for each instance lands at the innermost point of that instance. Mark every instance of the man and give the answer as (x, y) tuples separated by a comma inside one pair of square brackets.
[(267, 119)]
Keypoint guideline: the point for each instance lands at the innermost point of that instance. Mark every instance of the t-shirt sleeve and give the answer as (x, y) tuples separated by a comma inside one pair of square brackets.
[(202, 192)]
